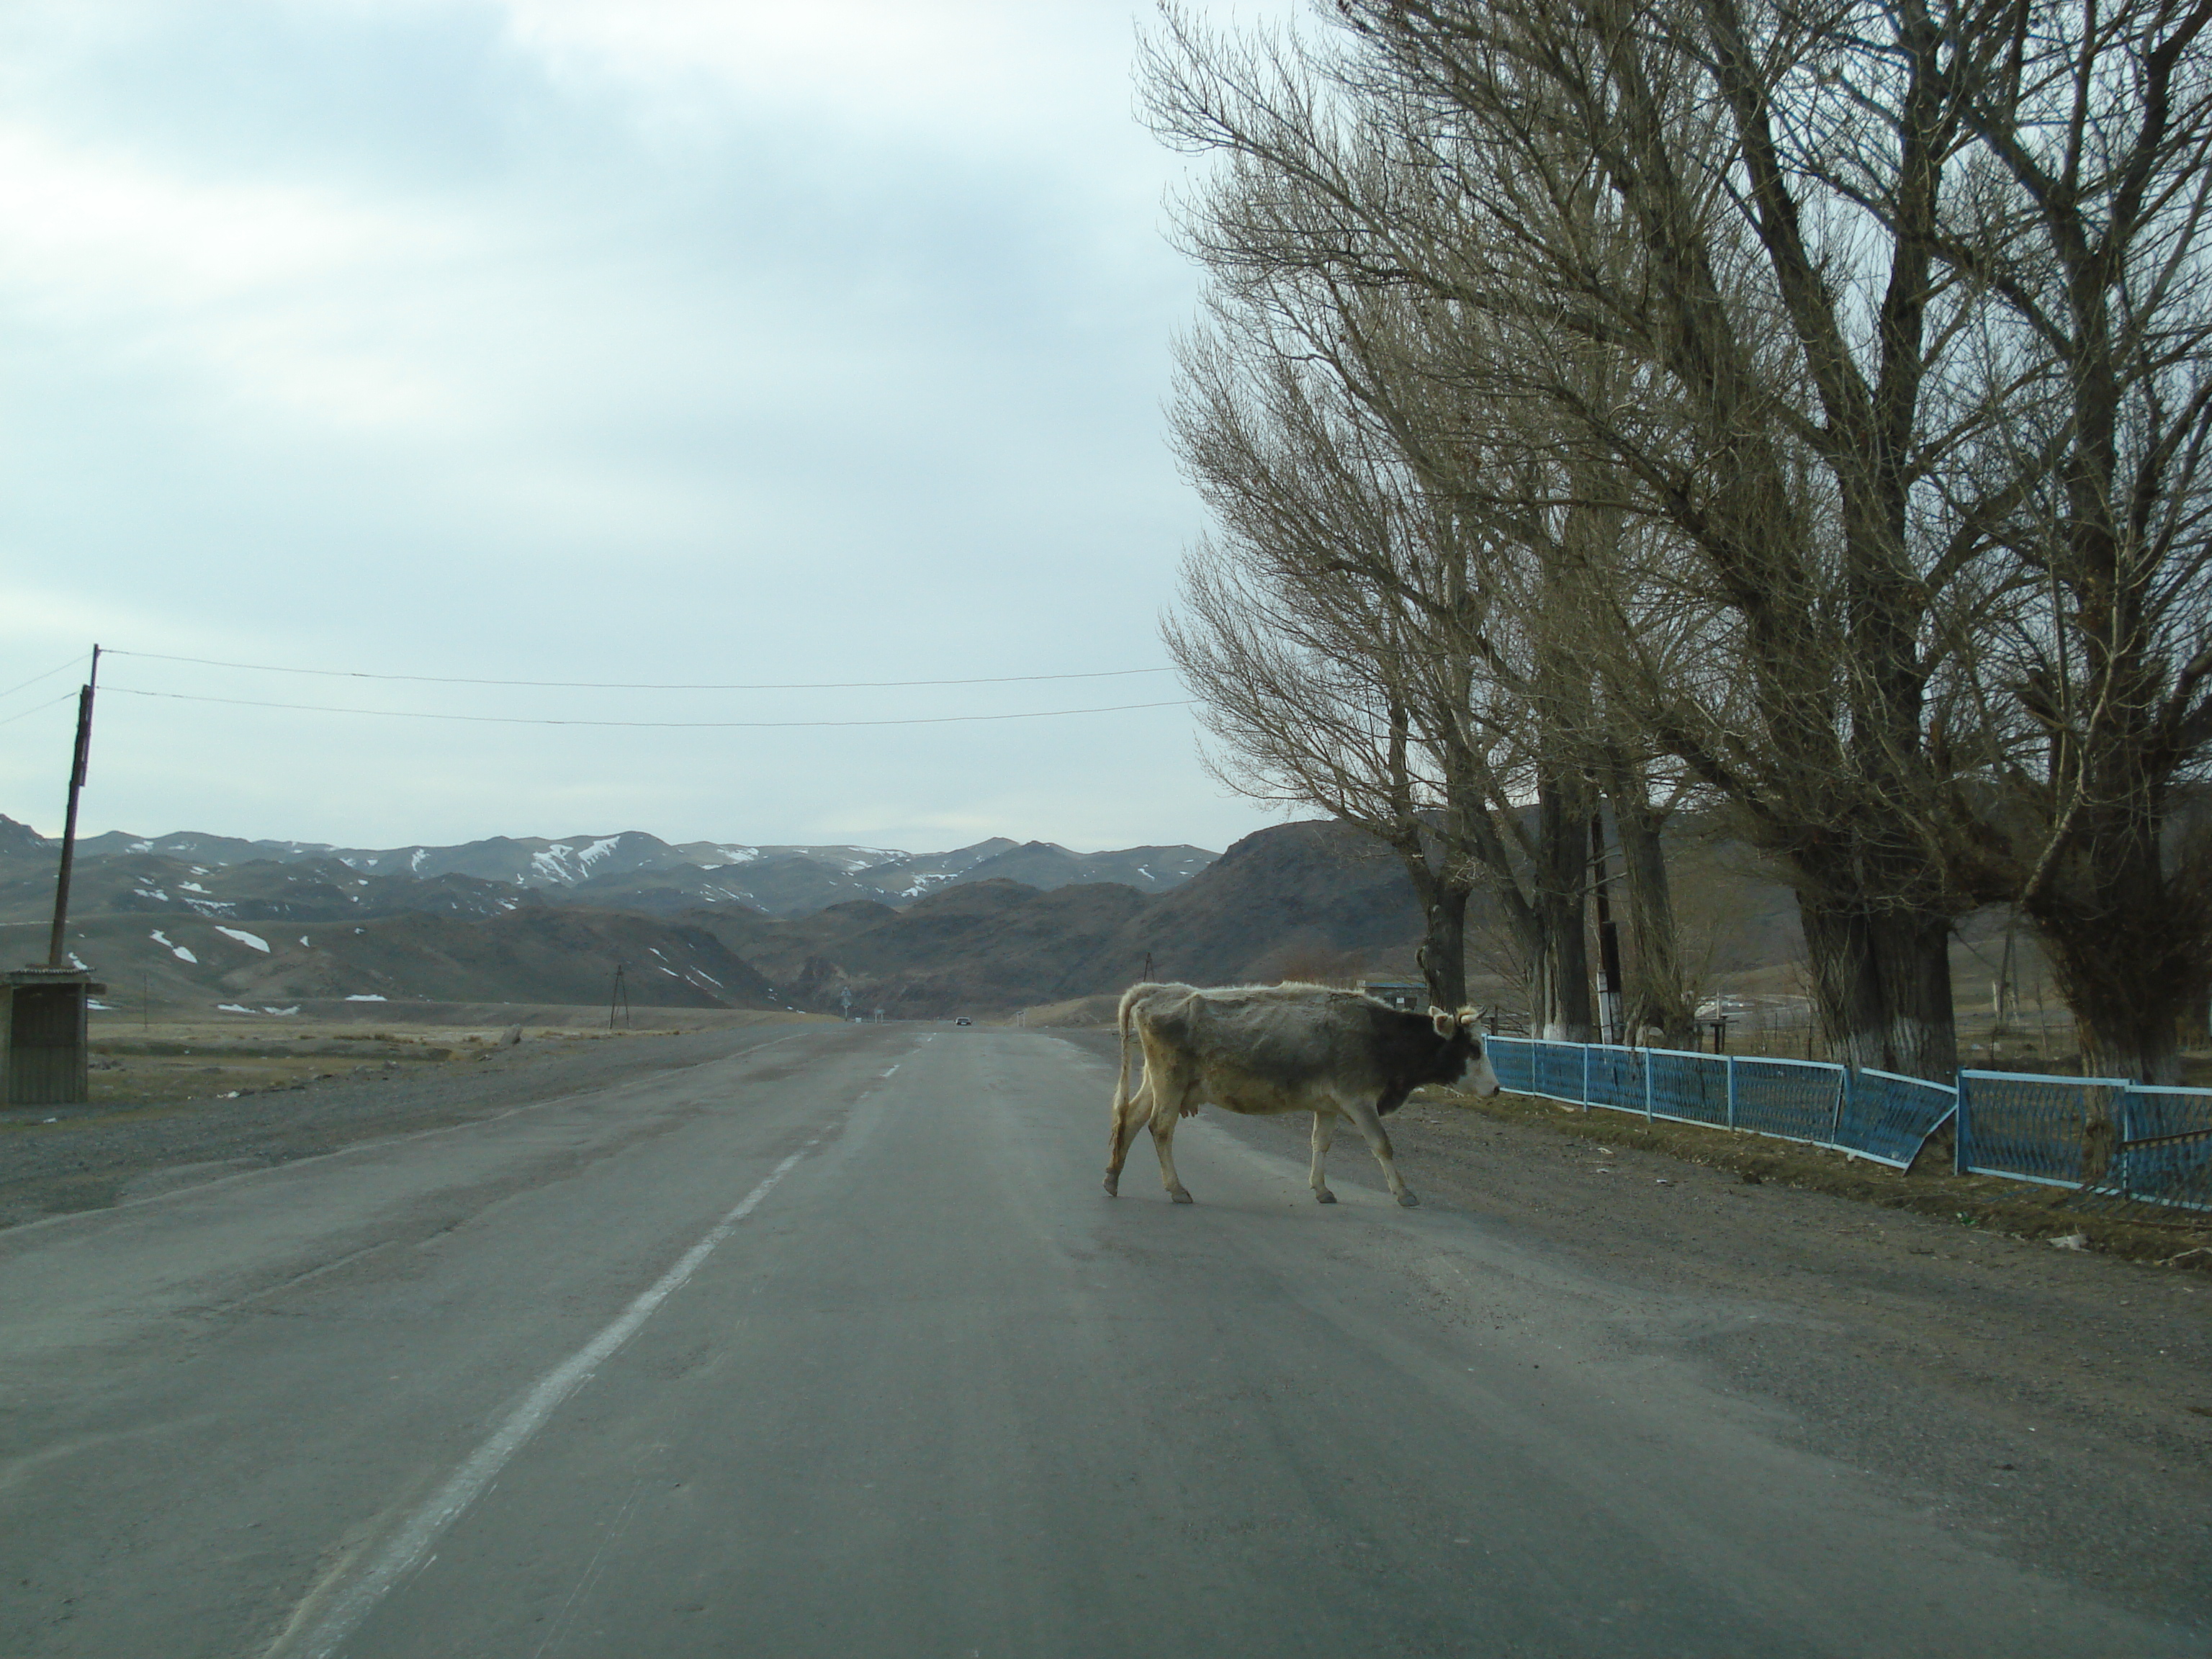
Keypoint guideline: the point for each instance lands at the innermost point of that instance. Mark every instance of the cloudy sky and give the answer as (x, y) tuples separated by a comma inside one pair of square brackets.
[(721, 342)]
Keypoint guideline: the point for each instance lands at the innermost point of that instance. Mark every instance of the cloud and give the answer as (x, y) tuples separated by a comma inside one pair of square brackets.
[(561, 340)]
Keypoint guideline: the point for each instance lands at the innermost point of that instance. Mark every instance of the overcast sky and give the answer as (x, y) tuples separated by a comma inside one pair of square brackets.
[(725, 341)]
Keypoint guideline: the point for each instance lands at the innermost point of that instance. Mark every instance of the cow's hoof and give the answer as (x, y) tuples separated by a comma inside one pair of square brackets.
[(1113, 1187), (1179, 1197), (1322, 1195), (1409, 1200)]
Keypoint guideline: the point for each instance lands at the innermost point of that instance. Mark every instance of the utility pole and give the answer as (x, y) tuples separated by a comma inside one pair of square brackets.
[(46, 1009), (619, 997), (55, 950), (1608, 940)]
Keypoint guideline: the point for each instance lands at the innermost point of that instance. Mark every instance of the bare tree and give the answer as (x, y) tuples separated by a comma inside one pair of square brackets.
[(1329, 631), (2092, 689)]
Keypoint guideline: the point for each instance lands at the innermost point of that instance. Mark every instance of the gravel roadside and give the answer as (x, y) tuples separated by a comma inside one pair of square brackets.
[(89, 1158), (2058, 1402)]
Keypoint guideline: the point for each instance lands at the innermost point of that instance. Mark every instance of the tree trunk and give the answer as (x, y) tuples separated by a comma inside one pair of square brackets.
[(2125, 944), (1881, 979), (1443, 949), (1560, 998), (1658, 993)]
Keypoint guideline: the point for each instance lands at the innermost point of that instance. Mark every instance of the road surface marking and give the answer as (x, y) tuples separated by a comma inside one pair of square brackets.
[(893, 1069), (413, 1540)]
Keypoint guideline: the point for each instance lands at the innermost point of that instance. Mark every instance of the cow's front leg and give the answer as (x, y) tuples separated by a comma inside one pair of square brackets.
[(1324, 1131), (1378, 1142), (1167, 1111)]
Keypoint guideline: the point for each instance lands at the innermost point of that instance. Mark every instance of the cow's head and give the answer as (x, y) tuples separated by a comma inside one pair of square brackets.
[(1467, 1026)]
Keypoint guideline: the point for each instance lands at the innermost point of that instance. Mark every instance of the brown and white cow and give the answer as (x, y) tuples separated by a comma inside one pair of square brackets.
[(1268, 1049)]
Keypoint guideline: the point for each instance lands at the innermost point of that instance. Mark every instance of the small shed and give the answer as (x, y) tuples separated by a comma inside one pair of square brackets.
[(1410, 994), (45, 1028)]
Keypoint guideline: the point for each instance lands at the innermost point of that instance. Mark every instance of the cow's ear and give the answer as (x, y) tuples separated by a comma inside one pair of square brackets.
[(1441, 1021)]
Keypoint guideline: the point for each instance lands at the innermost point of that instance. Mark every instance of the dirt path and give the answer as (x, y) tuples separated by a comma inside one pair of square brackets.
[(2059, 1399)]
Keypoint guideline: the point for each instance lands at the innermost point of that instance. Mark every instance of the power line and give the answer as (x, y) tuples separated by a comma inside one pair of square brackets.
[(684, 725), (48, 674), (35, 707), (619, 685)]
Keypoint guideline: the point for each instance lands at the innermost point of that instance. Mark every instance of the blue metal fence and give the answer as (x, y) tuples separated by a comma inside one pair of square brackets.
[(1790, 1099), (1888, 1118), (2056, 1130), (2163, 1154), (2143, 1144)]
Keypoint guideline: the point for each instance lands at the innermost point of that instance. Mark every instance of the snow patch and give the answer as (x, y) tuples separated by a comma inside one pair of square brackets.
[(231, 1008), (78, 963), (178, 951), (252, 941), (91, 1002), (549, 864), (304, 945), (415, 863), (142, 846), (293, 1009), (193, 886), (359, 996), (154, 893)]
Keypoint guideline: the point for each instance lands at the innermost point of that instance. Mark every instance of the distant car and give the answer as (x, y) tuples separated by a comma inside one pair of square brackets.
[(964, 1020)]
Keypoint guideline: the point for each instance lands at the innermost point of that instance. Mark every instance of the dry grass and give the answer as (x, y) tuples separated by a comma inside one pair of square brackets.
[(2140, 1233)]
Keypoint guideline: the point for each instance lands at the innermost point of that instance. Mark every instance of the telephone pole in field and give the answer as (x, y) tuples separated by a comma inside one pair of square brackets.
[(55, 952)]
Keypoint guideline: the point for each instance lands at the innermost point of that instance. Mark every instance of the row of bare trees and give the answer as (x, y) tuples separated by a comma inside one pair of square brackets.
[(1800, 406)]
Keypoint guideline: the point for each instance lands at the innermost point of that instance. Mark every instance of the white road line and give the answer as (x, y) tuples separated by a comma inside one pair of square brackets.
[(413, 1540), (893, 1069)]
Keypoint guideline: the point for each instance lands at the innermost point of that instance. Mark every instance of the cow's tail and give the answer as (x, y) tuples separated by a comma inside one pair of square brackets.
[(1130, 997), (1121, 1131)]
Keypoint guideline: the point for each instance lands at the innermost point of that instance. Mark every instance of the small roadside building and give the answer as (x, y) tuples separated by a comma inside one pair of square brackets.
[(44, 1026)]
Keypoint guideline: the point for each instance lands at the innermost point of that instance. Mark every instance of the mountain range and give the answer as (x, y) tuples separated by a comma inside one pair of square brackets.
[(191, 919), (303, 881)]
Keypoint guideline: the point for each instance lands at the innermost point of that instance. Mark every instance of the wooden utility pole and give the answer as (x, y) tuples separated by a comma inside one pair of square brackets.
[(55, 952), (1608, 940)]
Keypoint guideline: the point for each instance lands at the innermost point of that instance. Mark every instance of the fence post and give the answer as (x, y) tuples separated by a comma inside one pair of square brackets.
[(1586, 1055), (1960, 1152), (1731, 1061), (1845, 1083), (1646, 1052)]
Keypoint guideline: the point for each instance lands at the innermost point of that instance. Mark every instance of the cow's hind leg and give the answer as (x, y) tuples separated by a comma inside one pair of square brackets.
[(1130, 1112), (1324, 1131), (1378, 1142)]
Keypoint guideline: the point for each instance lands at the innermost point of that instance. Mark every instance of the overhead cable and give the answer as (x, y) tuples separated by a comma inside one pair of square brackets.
[(66, 696), (685, 725), (48, 674), (622, 685)]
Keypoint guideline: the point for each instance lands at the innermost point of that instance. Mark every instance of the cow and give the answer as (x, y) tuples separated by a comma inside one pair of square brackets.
[(1266, 1048)]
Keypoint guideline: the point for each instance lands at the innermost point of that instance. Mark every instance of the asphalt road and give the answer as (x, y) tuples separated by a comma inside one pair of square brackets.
[(834, 1346)]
